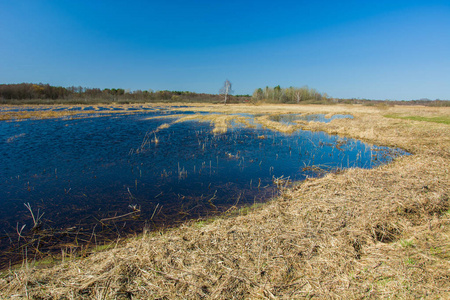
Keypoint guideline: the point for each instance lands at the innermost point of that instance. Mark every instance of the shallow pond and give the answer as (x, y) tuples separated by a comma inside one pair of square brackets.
[(120, 172)]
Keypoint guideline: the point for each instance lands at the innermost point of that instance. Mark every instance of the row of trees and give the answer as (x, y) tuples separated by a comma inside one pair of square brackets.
[(30, 93), (288, 95), (37, 93)]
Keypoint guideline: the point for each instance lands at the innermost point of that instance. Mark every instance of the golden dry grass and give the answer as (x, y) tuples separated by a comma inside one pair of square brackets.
[(276, 126), (10, 112), (220, 122), (375, 234), (40, 114)]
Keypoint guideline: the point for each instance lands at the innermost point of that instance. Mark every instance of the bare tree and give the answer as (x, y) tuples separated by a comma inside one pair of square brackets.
[(226, 89), (298, 95)]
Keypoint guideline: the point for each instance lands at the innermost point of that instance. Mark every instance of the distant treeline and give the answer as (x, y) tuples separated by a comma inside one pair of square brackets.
[(306, 95), (30, 93), (288, 95)]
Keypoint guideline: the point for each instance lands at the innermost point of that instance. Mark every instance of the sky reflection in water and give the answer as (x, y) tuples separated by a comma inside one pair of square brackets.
[(79, 171)]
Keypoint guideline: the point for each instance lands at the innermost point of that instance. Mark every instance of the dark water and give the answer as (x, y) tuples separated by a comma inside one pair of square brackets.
[(79, 172)]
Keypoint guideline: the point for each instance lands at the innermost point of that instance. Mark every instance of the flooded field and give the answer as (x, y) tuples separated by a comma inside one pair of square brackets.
[(85, 180)]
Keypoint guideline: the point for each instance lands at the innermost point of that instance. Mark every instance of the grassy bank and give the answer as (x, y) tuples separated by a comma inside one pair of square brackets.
[(380, 233), (440, 119)]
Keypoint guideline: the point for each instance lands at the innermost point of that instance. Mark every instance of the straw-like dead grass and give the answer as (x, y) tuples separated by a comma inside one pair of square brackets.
[(277, 126), (380, 233), (18, 115), (220, 122), (9, 112)]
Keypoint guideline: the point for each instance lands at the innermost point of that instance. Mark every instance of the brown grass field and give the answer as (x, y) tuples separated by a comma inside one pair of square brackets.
[(359, 234)]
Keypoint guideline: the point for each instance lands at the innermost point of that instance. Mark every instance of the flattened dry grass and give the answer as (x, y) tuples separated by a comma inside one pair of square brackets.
[(10, 112), (220, 122), (379, 233), (19, 115), (277, 126)]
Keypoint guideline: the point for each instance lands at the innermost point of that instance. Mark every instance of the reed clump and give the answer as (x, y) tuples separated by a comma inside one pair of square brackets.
[(379, 233)]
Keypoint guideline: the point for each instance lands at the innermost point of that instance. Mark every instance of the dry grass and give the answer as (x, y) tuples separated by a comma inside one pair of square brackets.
[(9, 112), (380, 233), (220, 122), (19, 115), (277, 126)]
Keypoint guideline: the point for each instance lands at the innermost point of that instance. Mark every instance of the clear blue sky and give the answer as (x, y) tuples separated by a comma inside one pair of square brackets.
[(383, 49)]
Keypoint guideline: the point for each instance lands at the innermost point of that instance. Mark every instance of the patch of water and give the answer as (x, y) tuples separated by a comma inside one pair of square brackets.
[(82, 171)]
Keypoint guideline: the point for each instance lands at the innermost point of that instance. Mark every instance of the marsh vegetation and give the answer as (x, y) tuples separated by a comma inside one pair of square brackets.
[(107, 175), (374, 233)]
